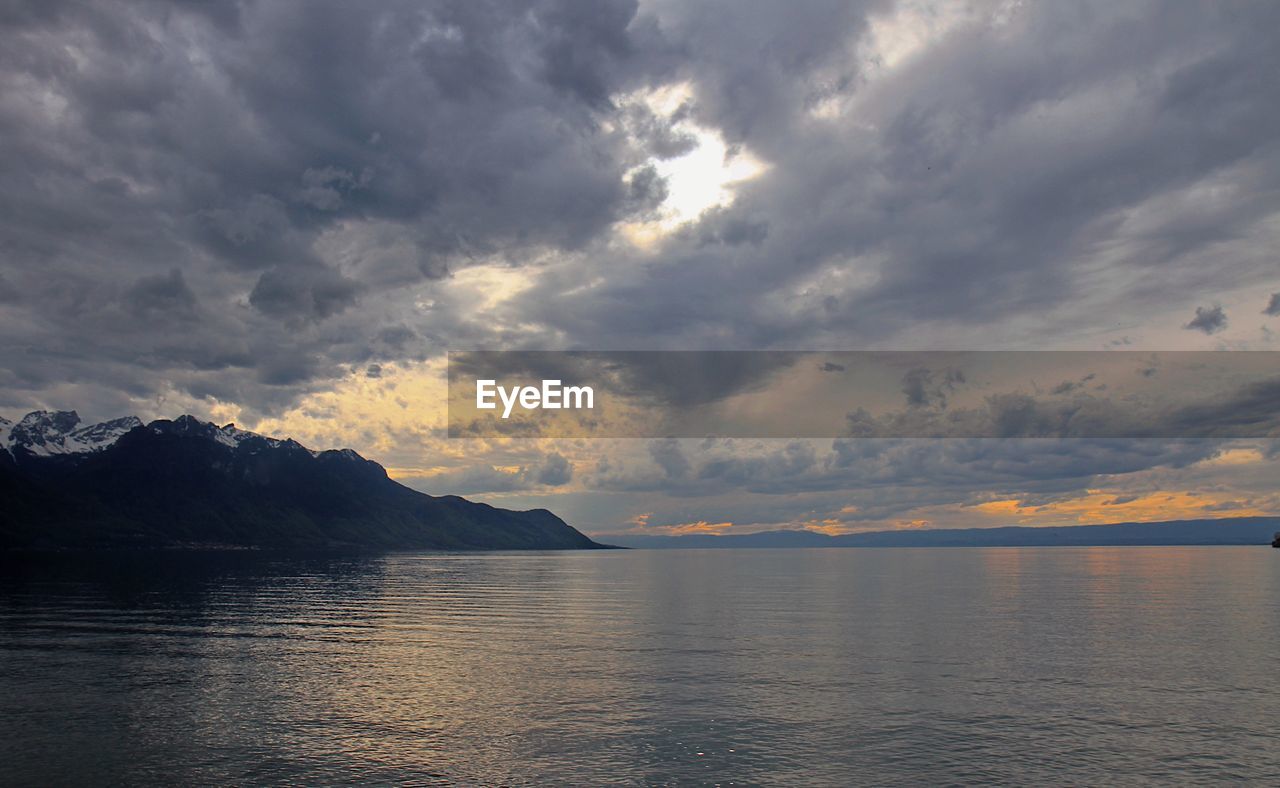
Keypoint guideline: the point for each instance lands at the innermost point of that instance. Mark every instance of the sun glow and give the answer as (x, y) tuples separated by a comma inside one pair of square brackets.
[(698, 180), (489, 286), (704, 177)]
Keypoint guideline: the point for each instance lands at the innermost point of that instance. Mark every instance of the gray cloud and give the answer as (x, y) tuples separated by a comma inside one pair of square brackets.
[(926, 387), (1251, 409), (963, 188), (244, 202), (555, 470), (668, 456), (1273, 307), (922, 470), (316, 172), (163, 294), (549, 470), (1209, 319), (8, 294), (315, 162), (313, 292)]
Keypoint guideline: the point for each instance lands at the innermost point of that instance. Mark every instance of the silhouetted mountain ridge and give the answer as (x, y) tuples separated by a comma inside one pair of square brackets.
[(187, 482)]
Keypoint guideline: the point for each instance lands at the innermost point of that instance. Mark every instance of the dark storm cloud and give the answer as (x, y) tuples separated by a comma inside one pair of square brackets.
[(1060, 153), (317, 172), (303, 291), (282, 172), (161, 294), (932, 470), (1255, 406), (1209, 319), (759, 66), (8, 295), (1273, 307), (1250, 409)]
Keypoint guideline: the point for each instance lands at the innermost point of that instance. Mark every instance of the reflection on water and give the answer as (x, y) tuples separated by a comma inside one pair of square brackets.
[(1046, 665)]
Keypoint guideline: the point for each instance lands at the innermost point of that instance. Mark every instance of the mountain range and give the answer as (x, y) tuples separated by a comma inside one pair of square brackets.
[(1222, 531), (190, 483)]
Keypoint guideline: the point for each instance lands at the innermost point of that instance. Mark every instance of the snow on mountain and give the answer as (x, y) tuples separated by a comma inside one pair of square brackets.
[(231, 435), (97, 437), (228, 435), (43, 432), (46, 433)]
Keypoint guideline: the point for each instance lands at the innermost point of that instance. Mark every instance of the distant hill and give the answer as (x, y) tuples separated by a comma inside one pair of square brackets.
[(1228, 531), (191, 483)]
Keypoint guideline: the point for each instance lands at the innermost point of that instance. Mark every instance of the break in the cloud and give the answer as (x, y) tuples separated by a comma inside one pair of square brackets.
[(254, 209)]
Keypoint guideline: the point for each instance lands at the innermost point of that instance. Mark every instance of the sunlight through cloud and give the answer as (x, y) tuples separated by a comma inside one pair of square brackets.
[(697, 180)]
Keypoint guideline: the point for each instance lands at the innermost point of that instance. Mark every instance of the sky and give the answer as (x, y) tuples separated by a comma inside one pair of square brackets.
[(284, 214)]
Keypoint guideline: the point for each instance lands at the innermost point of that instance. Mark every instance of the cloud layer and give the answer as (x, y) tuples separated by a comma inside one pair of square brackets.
[(252, 208)]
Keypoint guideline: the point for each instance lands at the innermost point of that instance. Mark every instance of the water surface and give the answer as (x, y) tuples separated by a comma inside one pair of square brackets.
[(837, 666)]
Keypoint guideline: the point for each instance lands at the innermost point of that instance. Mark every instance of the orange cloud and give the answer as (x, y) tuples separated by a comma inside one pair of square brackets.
[(912, 523), (1097, 506), (699, 527), (830, 526)]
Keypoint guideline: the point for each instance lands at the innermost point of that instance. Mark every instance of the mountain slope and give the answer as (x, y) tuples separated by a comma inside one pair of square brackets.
[(187, 482)]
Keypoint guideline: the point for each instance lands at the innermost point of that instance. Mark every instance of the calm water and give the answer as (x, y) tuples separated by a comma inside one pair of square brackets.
[(1026, 665)]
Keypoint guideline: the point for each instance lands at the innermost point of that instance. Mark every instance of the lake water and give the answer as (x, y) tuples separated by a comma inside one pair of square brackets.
[(819, 667)]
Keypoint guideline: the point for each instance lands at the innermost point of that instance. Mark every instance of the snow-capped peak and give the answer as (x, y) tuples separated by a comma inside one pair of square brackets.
[(45, 433), (228, 434), (42, 431), (50, 433), (99, 436), (231, 435)]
